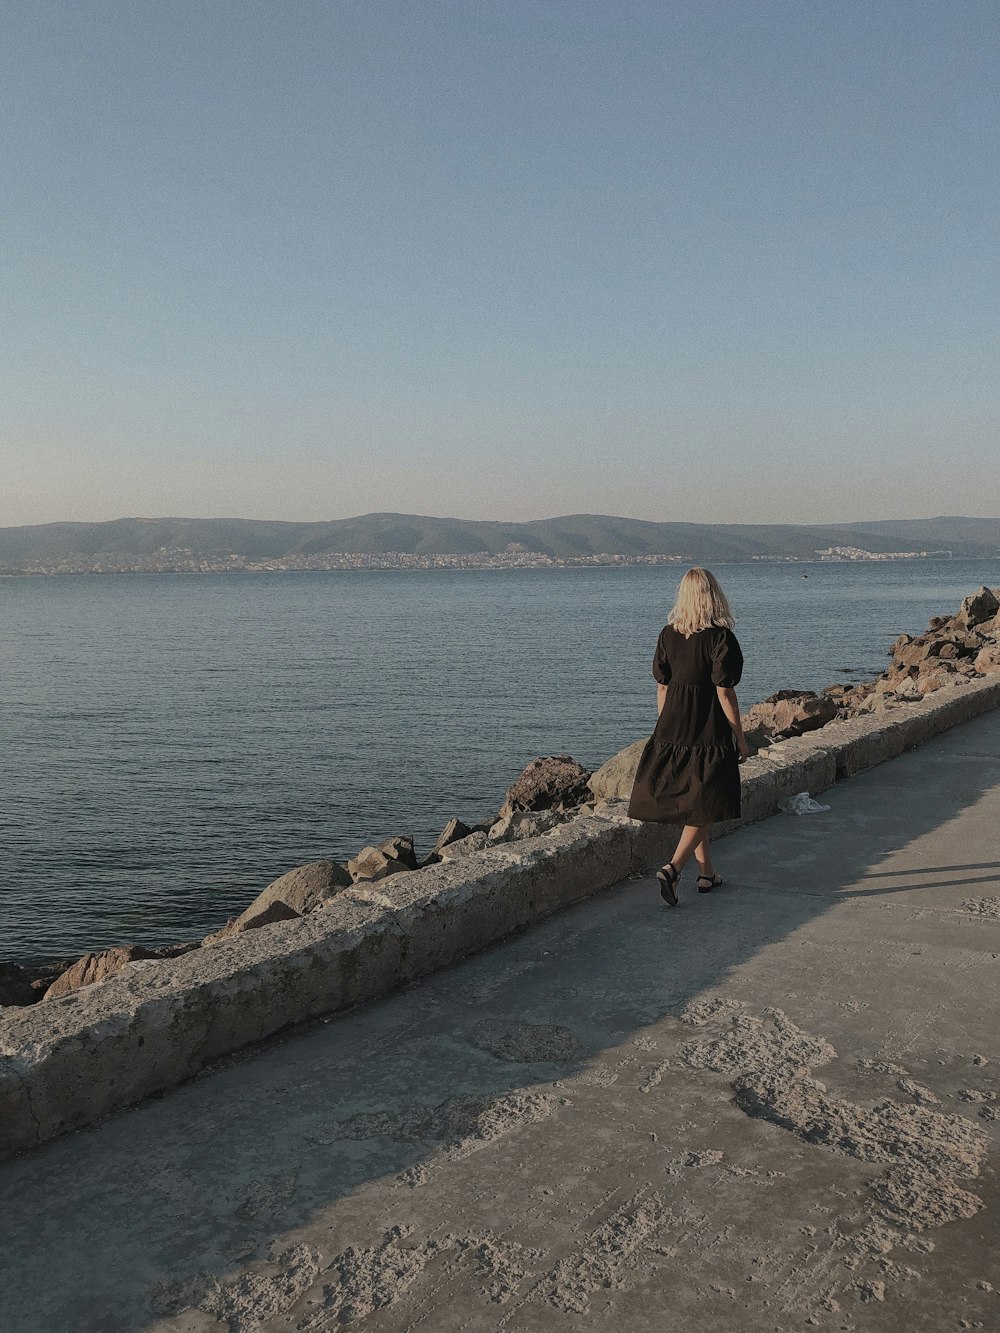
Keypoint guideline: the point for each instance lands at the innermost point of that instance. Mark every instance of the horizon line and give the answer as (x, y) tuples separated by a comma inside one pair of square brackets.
[(518, 522)]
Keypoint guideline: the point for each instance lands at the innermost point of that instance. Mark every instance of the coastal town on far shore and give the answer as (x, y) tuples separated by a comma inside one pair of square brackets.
[(178, 560)]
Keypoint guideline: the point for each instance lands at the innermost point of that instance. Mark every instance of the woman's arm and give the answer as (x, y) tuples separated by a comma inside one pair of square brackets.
[(661, 697), (731, 708)]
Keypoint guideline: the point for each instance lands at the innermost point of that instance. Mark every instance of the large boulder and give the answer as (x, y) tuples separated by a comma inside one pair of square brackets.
[(373, 863), (909, 689), (268, 916), (400, 849), (980, 606), (935, 672), (849, 704), (614, 779), (453, 831), (790, 713), (15, 985), (988, 659), (551, 782), (917, 650), (472, 842), (303, 889), (524, 824), (94, 967)]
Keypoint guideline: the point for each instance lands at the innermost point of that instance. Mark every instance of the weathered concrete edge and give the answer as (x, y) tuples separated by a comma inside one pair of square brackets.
[(72, 1060)]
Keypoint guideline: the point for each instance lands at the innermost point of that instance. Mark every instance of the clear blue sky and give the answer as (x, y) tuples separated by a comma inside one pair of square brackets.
[(729, 260)]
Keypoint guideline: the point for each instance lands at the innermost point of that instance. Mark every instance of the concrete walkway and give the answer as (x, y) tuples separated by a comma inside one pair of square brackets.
[(769, 1109)]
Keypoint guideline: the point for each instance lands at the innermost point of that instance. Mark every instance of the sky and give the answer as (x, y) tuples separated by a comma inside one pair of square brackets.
[(702, 260)]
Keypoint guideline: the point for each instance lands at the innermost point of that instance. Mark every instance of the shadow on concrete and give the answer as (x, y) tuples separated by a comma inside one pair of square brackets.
[(206, 1177), (936, 870)]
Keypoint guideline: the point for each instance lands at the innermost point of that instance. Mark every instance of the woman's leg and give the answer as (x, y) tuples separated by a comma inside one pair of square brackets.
[(691, 838), (703, 853)]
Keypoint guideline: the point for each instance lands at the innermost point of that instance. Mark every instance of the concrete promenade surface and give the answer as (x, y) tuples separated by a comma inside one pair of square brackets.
[(771, 1108)]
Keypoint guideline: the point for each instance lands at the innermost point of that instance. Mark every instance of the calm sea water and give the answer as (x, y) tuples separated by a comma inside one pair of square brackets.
[(171, 744)]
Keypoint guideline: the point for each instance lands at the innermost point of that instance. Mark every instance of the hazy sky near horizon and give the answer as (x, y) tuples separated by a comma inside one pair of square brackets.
[(712, 260)]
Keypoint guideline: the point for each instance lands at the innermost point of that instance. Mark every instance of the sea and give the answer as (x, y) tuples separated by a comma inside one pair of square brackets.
[(170, 744)]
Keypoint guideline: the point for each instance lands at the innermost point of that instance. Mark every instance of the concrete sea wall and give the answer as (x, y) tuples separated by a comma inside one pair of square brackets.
[(76, 1058)]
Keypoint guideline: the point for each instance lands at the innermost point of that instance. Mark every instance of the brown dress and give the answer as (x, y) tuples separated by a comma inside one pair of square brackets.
[(689, 771)]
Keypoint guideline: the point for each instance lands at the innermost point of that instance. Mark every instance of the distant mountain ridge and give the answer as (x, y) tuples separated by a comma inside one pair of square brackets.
[(572, 535)]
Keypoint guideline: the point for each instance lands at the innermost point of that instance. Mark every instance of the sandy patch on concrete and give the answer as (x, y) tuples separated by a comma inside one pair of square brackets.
[(502, 1265), (987, 907), (367, 1278), (610, 1256), (248, 1301), (927, 1153)]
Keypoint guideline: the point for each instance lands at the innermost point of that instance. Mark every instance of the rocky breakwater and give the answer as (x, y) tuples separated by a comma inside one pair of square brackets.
[(953, 649), (550, 791), (556, 789), (315, 945)]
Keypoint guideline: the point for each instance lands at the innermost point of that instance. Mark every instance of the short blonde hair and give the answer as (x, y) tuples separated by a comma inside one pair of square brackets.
[(700, 603)]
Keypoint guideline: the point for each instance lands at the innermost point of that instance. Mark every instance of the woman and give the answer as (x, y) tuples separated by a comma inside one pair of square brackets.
[(689, 771)]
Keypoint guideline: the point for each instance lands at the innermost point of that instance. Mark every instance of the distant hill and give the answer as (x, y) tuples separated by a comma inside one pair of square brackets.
[(568, 536)]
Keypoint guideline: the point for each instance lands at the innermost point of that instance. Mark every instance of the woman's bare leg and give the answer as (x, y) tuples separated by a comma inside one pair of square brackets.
[(703, 853), (691, 837)]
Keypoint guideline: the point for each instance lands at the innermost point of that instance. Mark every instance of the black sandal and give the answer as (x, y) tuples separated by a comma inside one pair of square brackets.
[(667, 877), (706, 883)]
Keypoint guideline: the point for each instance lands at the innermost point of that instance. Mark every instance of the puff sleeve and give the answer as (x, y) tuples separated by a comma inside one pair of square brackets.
[(661, 662), (727, 659)]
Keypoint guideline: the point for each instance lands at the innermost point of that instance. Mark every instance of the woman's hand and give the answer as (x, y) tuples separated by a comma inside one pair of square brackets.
[(731, 708)]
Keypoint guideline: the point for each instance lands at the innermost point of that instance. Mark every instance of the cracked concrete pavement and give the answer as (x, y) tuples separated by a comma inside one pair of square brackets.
[(772, 1108)]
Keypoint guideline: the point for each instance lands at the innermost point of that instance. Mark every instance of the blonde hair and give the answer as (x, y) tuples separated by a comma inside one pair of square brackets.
[(700, 603)]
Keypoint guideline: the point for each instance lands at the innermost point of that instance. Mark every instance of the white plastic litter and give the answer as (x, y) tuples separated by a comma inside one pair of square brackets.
[(802, 804)]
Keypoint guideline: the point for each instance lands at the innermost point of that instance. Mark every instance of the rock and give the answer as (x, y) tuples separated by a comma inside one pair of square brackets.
[(614, 779), (988, 659), (851, 704), (400, 849), (909, 690), (43, 974), (929, 681), (970, 642), (303, 889), (453, 831), (174, 950), (836, 692), (552, 782), (524, 824), (948, 665), (757, 738), (875, 703), (373, 863), (474, 842), (94, 967), (15, 985), (935, 672), (980, 606), (935, 622), (928, 645), (274, 912), (790, 713)]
